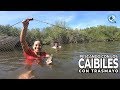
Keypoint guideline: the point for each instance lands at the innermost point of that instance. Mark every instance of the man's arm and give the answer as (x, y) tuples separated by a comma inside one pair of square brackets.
[(23, 35)]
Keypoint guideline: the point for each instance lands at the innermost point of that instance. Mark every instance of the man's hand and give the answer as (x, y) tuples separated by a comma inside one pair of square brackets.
[(25, 23), (49, 60)]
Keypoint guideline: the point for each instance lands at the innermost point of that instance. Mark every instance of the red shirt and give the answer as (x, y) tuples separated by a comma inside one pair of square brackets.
[(31, 56)]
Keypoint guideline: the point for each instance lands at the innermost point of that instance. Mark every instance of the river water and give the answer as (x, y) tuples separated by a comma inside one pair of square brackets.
[(65, 62)]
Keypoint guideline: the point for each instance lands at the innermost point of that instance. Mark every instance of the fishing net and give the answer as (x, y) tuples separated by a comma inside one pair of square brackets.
[(11, 56)]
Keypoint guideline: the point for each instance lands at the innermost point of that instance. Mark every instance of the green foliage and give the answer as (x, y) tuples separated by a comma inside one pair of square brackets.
[(63, 35), (9, 31)]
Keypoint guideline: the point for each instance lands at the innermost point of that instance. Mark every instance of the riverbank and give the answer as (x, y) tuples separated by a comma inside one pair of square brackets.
[(8, 42)]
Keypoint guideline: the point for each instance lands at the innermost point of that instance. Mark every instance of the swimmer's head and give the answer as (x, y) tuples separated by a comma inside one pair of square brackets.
[(56, 44)]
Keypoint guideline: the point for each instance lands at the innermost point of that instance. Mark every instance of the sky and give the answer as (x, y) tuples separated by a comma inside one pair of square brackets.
[(73, 19)]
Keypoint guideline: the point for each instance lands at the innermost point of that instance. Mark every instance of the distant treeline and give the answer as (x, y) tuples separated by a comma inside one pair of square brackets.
[(65, 36)]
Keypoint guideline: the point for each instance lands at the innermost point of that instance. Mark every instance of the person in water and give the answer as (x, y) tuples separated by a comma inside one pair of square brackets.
[(34, 55), (56, 45)]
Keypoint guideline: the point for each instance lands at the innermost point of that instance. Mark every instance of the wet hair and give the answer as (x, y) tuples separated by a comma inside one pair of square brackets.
[(39, 40), (56, 42)]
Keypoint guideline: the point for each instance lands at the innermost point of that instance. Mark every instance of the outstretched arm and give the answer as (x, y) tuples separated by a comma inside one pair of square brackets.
[(23, 35)]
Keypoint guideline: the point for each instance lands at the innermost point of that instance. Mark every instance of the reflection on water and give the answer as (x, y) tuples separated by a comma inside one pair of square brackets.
[(65, 62)]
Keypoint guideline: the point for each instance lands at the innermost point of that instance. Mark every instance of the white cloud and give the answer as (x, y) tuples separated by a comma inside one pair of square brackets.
[(91, 23), (65, 18), (52, 19)]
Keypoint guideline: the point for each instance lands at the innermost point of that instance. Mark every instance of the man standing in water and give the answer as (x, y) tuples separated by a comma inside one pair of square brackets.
[(32, 55)]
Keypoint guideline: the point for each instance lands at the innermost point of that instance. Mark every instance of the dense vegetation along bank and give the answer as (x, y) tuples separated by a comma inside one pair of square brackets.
[(65, 36)]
